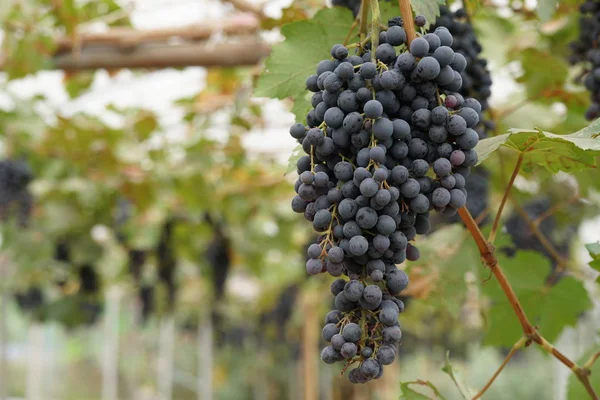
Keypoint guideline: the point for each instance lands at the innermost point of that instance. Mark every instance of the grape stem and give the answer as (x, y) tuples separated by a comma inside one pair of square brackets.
[(505, 197), (590, 362), (375, 22), (364, 15), (350, 31), (467, 11)]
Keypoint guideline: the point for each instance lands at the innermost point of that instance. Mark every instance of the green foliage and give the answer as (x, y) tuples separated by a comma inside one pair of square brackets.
[(449, 369), (553, 152), (550, 308), (27, 40), (543, 73), (78, 83), (292, 60), (294, 157), (594, 250)]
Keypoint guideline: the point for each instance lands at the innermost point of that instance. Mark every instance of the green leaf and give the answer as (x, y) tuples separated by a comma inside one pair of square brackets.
[(301, 107), (551, 309), (545, 9), (78, 83), (144, 124), (575, 389), (464, 391), (430, 9), (594, 250), (306, 43), (410, 394), (567, 153), (294, 157)]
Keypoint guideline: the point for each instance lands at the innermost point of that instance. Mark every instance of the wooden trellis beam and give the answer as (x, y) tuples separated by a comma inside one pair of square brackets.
[(227, 54), (237, 25)]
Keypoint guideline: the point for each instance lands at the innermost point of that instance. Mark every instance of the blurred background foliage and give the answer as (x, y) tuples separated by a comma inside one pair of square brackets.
[(131, 226)]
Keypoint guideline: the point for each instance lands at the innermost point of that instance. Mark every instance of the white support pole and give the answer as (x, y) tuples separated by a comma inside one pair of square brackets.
[(35, 363), (165, 358), (51, 364), (4, 298), (3, 342), (110, 355), (205, 359)]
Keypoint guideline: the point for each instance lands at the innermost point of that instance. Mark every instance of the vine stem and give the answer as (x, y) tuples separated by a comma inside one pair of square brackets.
[(520, 344), (504, 198), (364, 15), (591, 361), (375, 22), (467, 11), (487, 253), (350, 31), (407, 18)]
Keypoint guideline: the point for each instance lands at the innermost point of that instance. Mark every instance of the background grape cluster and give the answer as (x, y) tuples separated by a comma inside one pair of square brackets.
[(585, 51), (15, 198), (16, 204), (389, 139)]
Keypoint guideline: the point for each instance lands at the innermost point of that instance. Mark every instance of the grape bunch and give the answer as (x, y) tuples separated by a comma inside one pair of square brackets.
[(389, 139), (585, 51)]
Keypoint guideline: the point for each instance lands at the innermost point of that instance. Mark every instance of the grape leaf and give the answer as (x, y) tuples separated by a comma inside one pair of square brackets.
[(301, 107), (545, 9), (452, 269), (543, 73), (306, 43), (575, 390), (76, 84), (410, 394), (430, 9), (294, 157), (567, 153), (594, 250), (460, 385), (551, 309)]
